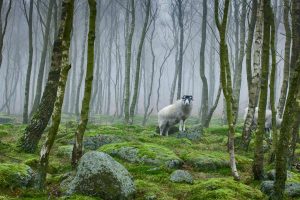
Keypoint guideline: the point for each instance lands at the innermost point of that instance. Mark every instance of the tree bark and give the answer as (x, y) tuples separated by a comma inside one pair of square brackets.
[(287, 55), (66, 26), (85, 108), (254, 85), (181, 39), (258, 163), (2, 32)]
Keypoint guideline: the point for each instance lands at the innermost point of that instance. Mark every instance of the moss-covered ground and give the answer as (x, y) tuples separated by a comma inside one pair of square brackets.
[(206, 159)]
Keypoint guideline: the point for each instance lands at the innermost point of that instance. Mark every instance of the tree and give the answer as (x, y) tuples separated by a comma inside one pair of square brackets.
[(64, 35), (29, 66), (43, 59), (225, 75), (258, 162), (41, 116), (253, 79), (85, 108), (2, 32), (138, 60), (180, 16), (287, 55), (128, 45), (204, 96)]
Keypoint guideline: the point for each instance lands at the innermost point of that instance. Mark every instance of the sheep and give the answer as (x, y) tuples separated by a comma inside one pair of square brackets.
[(175, 113), (268, 122)]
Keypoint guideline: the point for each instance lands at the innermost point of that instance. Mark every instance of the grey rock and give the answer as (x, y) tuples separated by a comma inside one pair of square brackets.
[(98, 174), (94, 142), (271, 175), (151, 197), (291, 189), (194, 136), (180, 176)]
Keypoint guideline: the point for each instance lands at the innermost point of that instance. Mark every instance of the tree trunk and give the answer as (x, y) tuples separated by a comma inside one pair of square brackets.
[(287, 54), (254, 87), (83, 48), (181, 39), (225, 75), (138, 62), (85, 108), (43, 59), (238, 68), (204, 95), (2, 32), (41, 117), (29, 66), (258, 163), (65, 28), (128, 61)]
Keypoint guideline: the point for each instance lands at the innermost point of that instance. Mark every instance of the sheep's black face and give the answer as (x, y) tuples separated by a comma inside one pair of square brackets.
[(187, 99)]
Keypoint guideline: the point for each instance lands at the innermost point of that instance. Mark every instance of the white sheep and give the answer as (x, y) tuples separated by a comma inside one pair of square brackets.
[(268, 122), (175, 113)]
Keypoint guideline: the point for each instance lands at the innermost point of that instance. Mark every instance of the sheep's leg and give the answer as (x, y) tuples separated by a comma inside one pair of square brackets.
[(161, 129), (167, 131), (181, 125)]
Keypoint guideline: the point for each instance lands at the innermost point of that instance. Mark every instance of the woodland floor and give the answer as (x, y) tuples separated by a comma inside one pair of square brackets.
[(212, 180)]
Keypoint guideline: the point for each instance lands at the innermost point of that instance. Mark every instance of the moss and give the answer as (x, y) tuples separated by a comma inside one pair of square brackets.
[(224, 188), (80, 197), (14, 175), (214, 160), (104, 130), (64, 151)]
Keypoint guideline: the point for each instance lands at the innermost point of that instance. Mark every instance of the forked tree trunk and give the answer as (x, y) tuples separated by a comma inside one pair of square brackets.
[(225, 75), (85, 107), (65, 28), (258, 163)]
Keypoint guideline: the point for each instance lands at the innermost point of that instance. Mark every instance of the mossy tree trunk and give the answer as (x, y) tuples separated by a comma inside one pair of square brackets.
[(85, 108), (272, 90), (128, 59), (258, 163), (225, 75), (204, 96), (287, 56), (291, 111), (29, 66), (138, 62), (253, 78), (41, 116), (65, 28), (289, 117)]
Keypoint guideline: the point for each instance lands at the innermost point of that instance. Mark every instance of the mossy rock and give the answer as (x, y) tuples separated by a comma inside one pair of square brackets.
[(64, 151), (15, 175), (148, 153), (79, 197), (109, 130), (213, 160), (225, 189)]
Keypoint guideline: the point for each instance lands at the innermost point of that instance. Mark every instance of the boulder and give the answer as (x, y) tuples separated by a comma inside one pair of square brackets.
[(291, 189), (94, 142), (180, 176), (148, 153), (15, 175), (98, 174)]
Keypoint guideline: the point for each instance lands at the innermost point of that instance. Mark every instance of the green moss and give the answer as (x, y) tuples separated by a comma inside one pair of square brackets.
[(64, 151), (214, 160), (224, 188), (14, 175), (104, 130), (80, 197)]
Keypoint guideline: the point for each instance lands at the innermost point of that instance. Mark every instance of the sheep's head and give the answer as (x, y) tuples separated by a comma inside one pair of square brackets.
[(187, 99)]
